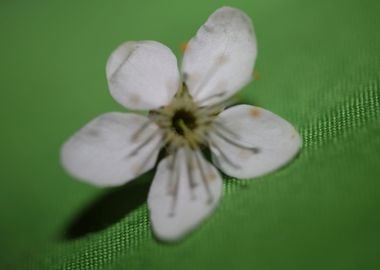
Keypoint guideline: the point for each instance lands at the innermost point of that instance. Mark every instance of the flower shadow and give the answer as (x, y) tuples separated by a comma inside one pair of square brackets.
[(109, 208)]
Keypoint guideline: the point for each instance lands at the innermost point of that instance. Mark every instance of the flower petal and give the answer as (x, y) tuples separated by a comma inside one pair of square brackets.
[(142, 74), (219, 60), (249, 141), (185, 190), (112, 149)]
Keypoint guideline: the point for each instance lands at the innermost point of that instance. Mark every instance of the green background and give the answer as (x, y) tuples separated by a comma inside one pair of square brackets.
[(319, 66)]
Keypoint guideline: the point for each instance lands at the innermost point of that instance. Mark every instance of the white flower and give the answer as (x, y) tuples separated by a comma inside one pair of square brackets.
[(186, 116)]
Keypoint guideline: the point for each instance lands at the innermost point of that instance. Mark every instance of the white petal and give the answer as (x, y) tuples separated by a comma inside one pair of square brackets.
[(179, 200), (104, 151), (268, 141), (142, 74), (219, 60)]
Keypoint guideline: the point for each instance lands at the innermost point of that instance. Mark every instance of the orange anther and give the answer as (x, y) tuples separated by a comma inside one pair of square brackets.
[(256, 75), (183, 46)]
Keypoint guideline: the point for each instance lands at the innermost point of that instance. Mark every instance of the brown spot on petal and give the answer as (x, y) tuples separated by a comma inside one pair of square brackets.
[(136, 169), (135, 98), (210, 176), (222, 59), (208, 28), (93, 133), (255, 113)]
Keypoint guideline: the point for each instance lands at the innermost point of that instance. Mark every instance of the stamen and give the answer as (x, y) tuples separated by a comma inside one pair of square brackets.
[(255, 150), (219, 125), (184, 122), (200, 102), (149, 157), (144, 143), (222, 104), (218, 107), (160, 112), (223, 155), (206, 115), (141, 129), (203, 177), (173, 180), (190, 167), (173, 183)]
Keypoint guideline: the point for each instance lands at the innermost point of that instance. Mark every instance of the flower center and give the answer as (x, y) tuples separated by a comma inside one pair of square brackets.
[(184, 122)]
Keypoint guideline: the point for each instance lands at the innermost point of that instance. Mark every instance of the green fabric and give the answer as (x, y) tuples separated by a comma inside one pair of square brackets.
[(319, 68)]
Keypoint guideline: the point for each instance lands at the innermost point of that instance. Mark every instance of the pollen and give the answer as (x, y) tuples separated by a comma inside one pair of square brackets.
[(184, 46), (256, 75)]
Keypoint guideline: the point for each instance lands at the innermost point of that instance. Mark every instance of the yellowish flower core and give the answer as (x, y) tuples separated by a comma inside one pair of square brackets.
[(184, 122)]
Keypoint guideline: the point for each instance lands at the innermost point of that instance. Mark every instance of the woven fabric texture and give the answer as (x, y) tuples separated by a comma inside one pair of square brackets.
[(319, 68)]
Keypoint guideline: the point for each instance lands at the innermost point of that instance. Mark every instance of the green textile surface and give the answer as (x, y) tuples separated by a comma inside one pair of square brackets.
[(319, 66)]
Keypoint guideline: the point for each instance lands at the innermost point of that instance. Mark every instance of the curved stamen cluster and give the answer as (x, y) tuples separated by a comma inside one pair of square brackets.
[(185, 123)]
